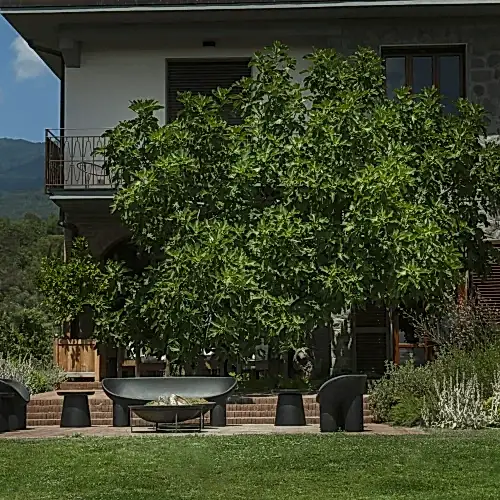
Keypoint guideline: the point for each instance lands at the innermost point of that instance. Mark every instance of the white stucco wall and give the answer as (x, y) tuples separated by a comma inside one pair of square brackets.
[(98, 95), (99, 92)]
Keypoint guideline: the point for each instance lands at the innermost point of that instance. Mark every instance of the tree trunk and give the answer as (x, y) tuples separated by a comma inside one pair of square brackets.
[(285, 366), (137, 363), (333, 357), (119, 362), (168, 369)]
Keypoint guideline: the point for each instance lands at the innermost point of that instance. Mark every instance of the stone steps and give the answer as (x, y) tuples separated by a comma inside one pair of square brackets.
[(249, 410)]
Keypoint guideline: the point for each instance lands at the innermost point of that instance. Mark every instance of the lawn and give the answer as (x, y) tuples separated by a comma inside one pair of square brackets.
[(439, 465)]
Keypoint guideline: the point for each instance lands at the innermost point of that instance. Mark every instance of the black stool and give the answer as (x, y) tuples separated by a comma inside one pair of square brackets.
[(290, 409), (76, 411)]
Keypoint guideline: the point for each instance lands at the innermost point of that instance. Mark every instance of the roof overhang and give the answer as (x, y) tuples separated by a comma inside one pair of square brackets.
[(42, 21), (71, 6)]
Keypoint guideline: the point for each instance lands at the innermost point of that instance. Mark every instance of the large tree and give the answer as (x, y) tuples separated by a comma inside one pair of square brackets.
[(326, 195)]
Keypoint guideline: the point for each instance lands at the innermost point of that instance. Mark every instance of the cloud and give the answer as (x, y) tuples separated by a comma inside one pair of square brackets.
[(27, 64)]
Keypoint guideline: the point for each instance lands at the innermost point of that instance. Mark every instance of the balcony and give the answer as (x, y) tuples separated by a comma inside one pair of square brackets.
[(72, 163)]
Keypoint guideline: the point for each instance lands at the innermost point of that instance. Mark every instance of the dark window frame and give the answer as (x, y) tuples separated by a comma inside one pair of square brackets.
[(434, 51)]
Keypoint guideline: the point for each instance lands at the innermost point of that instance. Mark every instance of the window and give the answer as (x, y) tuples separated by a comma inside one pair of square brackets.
[(202, 77), (409, 341), (421, 67)]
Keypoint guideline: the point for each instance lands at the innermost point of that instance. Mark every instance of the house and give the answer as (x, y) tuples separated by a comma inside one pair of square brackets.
[(108, 52)]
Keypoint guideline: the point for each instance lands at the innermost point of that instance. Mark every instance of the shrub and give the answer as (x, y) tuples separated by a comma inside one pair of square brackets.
[(25, 332), (272, 383), (482, 362), (399, 384), (399, 396), (36, 375), (462, 325), (458, 405), (408, 412), (492, 404)]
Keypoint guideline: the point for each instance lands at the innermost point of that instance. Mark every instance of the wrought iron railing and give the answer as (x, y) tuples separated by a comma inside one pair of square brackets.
[(72, 161)]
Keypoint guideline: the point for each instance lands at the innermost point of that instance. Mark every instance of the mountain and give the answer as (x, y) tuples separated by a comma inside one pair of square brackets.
[(22, 179)]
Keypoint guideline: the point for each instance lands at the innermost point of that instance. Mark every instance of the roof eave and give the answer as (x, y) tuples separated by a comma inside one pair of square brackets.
[(133, 7)]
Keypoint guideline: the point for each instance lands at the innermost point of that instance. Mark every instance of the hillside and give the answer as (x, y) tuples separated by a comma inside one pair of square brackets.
[(22, 179)]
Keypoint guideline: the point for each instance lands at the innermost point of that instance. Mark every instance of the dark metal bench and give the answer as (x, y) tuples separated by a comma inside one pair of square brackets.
[(126, 392)]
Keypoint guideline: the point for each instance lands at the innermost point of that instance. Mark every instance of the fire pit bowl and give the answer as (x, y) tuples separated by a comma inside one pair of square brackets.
[(166, 414)]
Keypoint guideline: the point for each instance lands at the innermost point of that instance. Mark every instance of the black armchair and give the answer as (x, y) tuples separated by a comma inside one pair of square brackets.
[(14, 397), (341, 403)]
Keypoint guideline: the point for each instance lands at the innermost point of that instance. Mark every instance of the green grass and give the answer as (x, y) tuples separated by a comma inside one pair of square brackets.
[(438, 465)]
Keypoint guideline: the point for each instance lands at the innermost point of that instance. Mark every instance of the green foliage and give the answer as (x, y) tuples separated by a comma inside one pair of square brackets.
[(459, 403), (400, 383), (328, 194), (407, 412), (27, 331), (68, 287), (38, 376), (268, 383), (23, 243), (458, 325), (26, 328), (490, 405), (404, 390), (483, 361), (16, 204), (109, 291)]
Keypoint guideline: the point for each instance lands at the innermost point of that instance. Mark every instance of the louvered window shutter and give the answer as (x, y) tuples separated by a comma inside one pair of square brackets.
[(487, 290), (201, 77), (371, 327)]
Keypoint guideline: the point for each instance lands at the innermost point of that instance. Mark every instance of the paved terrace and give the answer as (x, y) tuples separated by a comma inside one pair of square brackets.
[(231, 430)]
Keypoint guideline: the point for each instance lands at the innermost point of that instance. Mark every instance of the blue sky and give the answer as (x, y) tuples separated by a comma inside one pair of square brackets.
[(29, 91)]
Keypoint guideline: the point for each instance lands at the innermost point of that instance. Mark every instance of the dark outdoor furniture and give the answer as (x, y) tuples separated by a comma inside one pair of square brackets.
[(341, 403), (76, 411), (14, 397), (290, 408), (126, 392), (171, 417)]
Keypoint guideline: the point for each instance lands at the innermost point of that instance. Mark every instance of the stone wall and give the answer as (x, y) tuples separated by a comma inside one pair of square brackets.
[(333, 346)]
